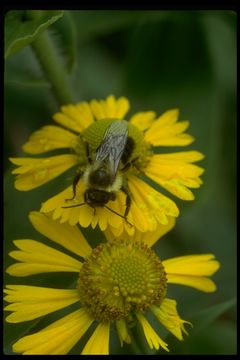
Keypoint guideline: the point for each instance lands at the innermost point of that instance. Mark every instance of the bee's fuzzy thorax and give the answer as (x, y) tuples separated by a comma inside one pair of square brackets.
[(86, 174), (114, 187), (117, 184)]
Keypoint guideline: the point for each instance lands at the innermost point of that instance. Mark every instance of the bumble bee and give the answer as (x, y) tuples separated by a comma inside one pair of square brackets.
[(102, 175)]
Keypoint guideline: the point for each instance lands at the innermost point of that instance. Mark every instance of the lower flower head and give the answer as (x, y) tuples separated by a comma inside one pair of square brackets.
[(117, 283), (113, 159), (119, 278)]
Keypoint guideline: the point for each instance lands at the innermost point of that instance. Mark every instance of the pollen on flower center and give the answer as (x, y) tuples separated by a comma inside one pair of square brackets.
[(119, 278)]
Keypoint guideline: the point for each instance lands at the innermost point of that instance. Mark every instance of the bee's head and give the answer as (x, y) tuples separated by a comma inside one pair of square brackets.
[(95, 197)]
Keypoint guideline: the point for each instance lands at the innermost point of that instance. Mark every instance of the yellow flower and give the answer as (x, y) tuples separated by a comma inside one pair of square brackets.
[(116, 283), (87, 123)]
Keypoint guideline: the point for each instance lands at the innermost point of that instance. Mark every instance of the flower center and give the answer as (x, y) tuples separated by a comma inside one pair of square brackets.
[(119, 278)]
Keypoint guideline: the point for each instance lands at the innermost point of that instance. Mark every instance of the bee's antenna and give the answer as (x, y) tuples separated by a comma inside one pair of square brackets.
[(66, 207), (118, 214), (123, 217)]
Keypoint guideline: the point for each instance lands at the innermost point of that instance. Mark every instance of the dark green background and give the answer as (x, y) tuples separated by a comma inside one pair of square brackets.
[(160, 60)]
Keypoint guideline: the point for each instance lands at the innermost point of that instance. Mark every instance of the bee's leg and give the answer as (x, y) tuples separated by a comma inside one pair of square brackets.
[(75, 181), (128, 201), (126, 167), (128, 164), (88, 152)]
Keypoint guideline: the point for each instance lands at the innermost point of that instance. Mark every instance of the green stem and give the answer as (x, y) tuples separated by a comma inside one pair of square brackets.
[(51, 64), (139, 340), (134, 348)]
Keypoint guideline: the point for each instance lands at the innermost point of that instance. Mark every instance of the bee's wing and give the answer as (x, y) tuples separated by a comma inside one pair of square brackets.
[(113, 144)]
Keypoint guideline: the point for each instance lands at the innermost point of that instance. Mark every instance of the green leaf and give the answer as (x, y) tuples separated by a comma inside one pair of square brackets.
[(219, 339), (21, 31), (66, 38), (204, 318)]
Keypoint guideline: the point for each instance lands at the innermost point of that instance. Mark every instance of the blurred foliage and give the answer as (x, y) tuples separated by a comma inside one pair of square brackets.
[(159, 60), (66, 39), (21, 30)]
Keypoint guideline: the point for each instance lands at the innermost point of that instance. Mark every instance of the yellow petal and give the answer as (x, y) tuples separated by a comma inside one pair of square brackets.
[(174, 172), (165, 131), (58, 338), (151, 237), (167, 314), (197, 282), (123, 332), (98, 344), (85, 214), (58, 201), (118, 206), (143, 120), (183, 156), (192, 270), (75, 117), (50, 138), (199, 265), (68, 236), (149, 207), (36, 172), (110, 108), (148, 237), (154, 341), (31, 302), (39, 258), (102, 219), (117, 232), (176, 187), (141, 216)]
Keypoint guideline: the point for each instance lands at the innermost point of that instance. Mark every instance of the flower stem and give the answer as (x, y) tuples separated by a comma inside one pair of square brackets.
[(134, 347), (139, 340), (51, 64)]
